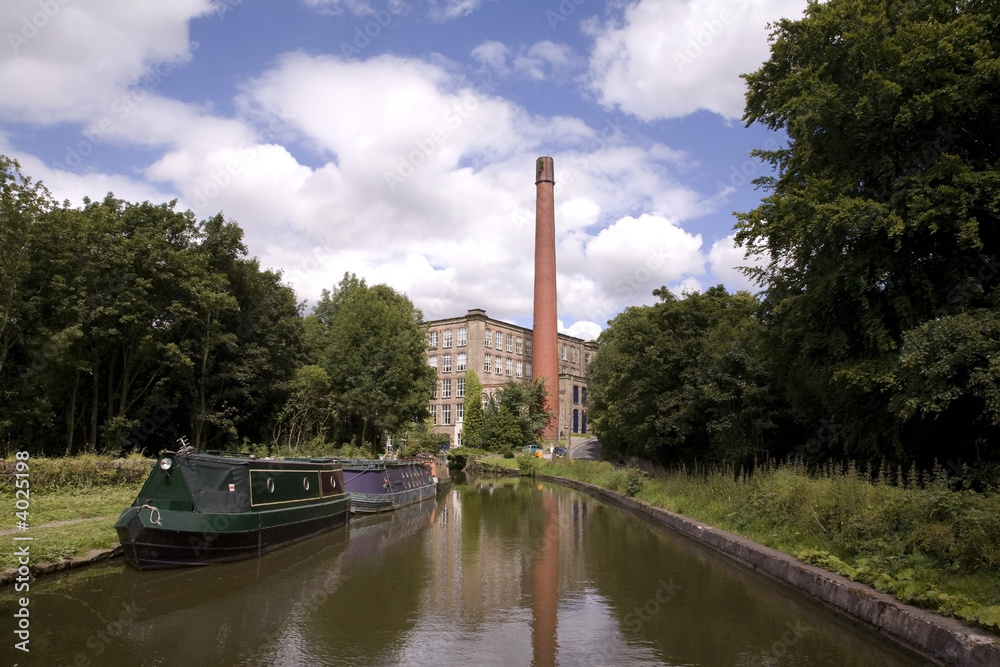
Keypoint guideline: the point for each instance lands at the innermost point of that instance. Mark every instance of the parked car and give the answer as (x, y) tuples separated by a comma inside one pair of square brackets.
[(559, 452), (532, 449)]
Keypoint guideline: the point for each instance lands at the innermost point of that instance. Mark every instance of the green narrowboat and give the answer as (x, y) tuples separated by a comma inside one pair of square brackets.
[(200, 508)]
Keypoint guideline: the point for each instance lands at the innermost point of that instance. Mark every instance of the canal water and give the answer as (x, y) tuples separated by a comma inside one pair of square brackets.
[(494, 572)]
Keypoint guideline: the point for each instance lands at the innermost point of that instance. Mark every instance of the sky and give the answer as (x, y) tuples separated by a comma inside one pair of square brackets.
[(396, 139)]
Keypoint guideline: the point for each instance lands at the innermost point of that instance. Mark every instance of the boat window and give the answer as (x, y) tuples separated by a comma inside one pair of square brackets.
[(270, 485), (305, 483)]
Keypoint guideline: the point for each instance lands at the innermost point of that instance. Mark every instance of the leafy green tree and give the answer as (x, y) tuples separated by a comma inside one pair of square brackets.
[(506, 433), (515, 415), (420, 437), (684, 379), (308, 411), (883, 207), (373, 350), (474, 421)]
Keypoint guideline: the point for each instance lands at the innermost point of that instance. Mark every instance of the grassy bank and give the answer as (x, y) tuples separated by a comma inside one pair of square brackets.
[(72, 504), (918, 539)]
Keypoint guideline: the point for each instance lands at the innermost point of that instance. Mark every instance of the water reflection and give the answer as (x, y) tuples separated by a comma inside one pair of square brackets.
[(492, 572)]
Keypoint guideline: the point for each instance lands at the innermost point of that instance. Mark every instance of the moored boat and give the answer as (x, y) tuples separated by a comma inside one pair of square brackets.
[(377, 485), (199, 508)]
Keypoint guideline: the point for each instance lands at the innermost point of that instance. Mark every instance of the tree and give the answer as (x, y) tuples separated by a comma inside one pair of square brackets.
[(515, 415), (883, 209), (308, 412), (684, 379), (474, 421), (373, 350)]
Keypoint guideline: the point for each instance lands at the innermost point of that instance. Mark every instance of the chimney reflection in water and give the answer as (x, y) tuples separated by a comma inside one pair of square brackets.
[(544, 588)]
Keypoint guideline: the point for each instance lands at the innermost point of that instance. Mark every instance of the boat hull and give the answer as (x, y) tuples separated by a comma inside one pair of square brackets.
[(383, 486), (213, 509)]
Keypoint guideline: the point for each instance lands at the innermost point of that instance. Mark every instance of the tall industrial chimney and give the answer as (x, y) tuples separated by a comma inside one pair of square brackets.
[(545, 360)]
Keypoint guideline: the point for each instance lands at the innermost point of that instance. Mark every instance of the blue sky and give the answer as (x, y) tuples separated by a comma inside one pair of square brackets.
[(396, 139)]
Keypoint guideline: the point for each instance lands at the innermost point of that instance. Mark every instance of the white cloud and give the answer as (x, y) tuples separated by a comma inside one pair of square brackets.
[(725, 257), (582, 329), (493, 54), (545, 59), (444, 10), (670, 59), (71, 62)]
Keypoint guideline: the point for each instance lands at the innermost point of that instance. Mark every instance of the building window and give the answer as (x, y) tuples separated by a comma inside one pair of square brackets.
[(510, 342), (499, 340), (460, 365), (447, 364), (519, 369), (459, 413), (586, 359), (576, 421), (434, 395), (432, 361), (509, 367), (527, 347), (487, 363), (460, 388), (576, 394), (446, 338), (433, 339), (583, 422), (463, 337), (497, 365), (527, 370), (445, 414), (486, 400), (433, 409), (563, 348), (519, 345), (445, 388), (489, 338), (583, 395)]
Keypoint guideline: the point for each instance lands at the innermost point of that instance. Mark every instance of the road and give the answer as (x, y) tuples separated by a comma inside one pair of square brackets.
[(589, 449)]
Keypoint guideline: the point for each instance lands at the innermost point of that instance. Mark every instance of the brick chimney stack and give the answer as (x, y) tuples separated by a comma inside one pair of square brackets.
[(545, 360)]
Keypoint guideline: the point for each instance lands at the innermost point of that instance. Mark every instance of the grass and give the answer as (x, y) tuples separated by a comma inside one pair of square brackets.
[(97, 507), (916, 538)]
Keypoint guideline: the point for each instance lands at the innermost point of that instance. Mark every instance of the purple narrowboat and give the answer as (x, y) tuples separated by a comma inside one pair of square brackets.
[(376, 485)]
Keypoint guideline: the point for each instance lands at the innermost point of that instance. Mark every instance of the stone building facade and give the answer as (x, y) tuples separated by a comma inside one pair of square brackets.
[(499, 352)]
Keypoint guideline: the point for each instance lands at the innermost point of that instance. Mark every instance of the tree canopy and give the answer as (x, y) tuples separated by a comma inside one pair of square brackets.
[(877, 238), (372, 342), (882, 215)]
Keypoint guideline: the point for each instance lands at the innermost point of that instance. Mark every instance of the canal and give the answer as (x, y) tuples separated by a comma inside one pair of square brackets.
[(495, 572)]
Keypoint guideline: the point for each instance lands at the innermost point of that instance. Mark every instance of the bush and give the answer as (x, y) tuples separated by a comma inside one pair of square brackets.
[(527, 465), (85, 471)]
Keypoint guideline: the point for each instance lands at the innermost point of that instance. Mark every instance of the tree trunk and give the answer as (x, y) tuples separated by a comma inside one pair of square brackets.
[(94, 404), (71, 413)]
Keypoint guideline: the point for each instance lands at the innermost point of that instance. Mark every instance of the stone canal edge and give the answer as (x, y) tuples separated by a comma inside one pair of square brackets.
[(942, 639)]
